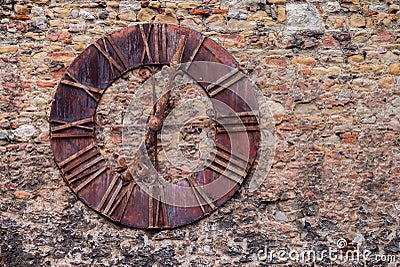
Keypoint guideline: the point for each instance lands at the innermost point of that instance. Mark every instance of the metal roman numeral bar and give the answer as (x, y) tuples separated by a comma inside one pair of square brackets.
[(119, 53), (145, 38), (231, 166), (159, 207), (164, 41), (247, 122), (177, 57), (224, 82), (107, 194), (158, 54), (156, 43), (194, 53), (80, 124), (113, 62), (84, 159), (93, 92), (71, 135), (200, 195), (125, 198), (121, 192)]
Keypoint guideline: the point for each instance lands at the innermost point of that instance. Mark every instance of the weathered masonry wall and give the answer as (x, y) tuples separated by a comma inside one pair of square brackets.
[(331, 71)]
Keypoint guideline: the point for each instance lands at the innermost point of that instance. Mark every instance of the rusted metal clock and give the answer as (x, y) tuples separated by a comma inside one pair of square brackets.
[(142, 191)]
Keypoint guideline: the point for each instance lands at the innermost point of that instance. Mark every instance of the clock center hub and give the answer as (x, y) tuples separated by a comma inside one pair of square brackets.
[(155, 123)]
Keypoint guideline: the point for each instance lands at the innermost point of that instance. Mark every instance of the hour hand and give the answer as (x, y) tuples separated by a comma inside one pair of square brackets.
[(156, 120)]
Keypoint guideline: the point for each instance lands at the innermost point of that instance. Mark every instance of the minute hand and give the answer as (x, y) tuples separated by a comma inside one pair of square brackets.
[(155, 123)]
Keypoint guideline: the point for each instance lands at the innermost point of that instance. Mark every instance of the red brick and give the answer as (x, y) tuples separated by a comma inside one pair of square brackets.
[(46, 83), (200, 12), (20, 17), (220, 11), (349, 137)]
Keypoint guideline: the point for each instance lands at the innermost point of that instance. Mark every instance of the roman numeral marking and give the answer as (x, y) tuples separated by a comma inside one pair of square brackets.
[(157, 208), (125, 197), (156, 49), (83, 160), (248, 122), (200, 195), (119, 53), (121, 193), (224, 82), (113, 63), (194, 54), (145, 38), (80, 124), (164, 41), (93, 92), (107, 194), (231, 166), (159, 55), (71, 135), (177, 57)]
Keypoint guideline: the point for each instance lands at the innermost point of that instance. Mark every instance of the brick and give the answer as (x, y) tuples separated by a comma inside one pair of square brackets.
[(46, 83), (350, 138), (20, 17)]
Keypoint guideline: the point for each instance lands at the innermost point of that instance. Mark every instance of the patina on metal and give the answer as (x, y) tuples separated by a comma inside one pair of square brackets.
[(72, 125)]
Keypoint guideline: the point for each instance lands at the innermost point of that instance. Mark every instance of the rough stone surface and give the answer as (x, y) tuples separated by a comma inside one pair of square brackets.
[(331, 73), (303, 17), (146, 14), (357, 20)]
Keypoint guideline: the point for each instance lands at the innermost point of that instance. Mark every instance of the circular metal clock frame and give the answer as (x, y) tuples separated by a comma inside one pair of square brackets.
[(72, 124)]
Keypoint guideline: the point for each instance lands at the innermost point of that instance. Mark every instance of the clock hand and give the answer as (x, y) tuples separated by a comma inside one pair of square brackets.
[(155, 123), (153, 85), (156, 119)]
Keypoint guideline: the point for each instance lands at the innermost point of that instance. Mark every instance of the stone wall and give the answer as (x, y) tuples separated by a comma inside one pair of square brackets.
[(331, 71)]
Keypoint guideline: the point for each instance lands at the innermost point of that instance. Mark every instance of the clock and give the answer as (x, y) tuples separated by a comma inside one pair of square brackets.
[(195, 88)]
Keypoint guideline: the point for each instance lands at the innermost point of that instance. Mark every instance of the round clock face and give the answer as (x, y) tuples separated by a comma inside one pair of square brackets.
[(188, 134)]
